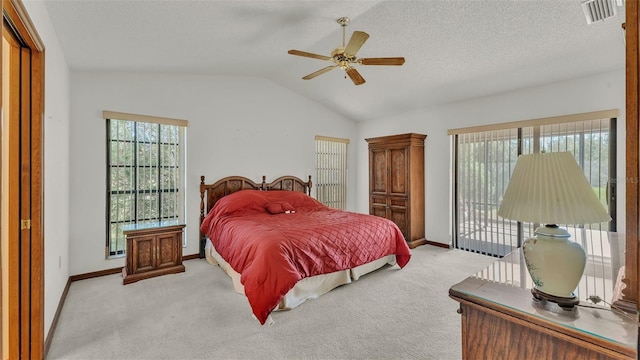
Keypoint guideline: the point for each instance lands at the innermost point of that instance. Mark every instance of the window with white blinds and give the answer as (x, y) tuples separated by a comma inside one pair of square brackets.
[(484, 158), (331, 171), (484, 161), (145, 173)]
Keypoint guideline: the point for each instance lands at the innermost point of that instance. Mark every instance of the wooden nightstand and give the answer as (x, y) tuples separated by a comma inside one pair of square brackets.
[(153, 249), (501, 320)]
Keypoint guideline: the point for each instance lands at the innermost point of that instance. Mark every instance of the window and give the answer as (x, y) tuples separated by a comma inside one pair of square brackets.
[(331, 171), (483, 164), (145, 173), (484, 159)]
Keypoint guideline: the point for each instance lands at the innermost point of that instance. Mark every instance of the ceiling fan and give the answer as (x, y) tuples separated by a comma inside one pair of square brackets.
[(345, 57)]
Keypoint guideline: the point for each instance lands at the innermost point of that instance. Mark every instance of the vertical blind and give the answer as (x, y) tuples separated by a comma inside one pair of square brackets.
[(331, 171), (483, 161)]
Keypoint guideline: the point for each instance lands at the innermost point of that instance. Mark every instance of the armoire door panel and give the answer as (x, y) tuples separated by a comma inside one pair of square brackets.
[(380, 211), (398, 171), (378, 201), (398, 202), (399, 216), (379, 171)]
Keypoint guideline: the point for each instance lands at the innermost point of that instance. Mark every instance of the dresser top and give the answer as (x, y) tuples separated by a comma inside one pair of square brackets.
[(151, 225)]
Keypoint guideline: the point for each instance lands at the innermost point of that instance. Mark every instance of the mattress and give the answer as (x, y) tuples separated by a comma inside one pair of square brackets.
[(307, 288)]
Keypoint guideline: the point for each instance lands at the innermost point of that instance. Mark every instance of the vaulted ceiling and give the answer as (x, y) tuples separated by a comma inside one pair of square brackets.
[(454, 49)]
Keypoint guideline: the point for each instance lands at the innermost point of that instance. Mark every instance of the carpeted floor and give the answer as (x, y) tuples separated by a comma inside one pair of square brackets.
[(388, 314)]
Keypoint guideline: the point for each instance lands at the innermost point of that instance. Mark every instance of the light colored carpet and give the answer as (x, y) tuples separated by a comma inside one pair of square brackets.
[(388, 314)]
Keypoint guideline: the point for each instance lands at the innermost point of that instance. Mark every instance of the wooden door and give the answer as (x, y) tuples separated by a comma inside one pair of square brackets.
[(10, 197), (22, 247)]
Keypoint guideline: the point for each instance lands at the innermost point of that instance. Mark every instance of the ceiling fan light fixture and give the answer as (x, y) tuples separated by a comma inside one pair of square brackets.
[(344, 57), (599, 10)]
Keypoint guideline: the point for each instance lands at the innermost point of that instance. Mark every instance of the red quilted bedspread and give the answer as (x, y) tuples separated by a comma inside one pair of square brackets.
[(273, 248)]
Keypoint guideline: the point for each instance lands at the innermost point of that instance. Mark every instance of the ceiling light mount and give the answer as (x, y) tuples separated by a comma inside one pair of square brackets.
[(343, 21)]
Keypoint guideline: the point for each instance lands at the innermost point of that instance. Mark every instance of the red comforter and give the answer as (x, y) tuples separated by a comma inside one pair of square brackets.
[(273, 248)]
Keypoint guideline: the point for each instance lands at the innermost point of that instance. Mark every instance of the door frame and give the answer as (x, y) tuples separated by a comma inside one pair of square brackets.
[(631, 293), (23, 336)]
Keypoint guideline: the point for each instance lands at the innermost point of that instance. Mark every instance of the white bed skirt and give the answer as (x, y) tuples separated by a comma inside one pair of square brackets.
[(307, 288)]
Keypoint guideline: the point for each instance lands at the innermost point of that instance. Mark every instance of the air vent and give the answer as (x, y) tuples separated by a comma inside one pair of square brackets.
[(598, 10)]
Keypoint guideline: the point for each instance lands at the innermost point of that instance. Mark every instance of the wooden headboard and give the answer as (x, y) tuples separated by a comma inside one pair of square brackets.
[(211, 193)]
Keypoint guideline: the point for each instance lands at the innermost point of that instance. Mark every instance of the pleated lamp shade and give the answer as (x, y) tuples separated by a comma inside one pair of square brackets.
[(550, 188)]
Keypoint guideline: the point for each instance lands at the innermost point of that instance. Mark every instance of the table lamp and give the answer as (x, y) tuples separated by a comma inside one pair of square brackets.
[(550, 189)]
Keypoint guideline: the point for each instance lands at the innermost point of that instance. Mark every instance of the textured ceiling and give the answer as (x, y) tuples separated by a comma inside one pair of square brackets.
[(454, 49)]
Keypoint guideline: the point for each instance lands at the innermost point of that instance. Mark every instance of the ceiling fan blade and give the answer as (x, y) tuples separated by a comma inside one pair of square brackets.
[(319, 72), (382, 61), (355, 43), (309, 55), (355, 76)]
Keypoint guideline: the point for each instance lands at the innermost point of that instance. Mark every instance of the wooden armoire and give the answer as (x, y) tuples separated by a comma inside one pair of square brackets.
[(396, 183)]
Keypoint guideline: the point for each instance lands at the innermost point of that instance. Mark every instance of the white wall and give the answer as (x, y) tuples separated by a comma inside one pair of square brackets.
[(599, 92), (56, 163), (237, 126)]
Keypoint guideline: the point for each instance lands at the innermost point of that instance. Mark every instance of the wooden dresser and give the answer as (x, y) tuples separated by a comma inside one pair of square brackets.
[(152, 250), (396, 183), (501, 320)]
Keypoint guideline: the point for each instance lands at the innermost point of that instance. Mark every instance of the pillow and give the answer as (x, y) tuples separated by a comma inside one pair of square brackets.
[(280, 207), (299, 200), (241, 202), (238, 203)]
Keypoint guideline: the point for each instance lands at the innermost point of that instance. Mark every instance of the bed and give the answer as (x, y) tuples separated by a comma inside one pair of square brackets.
[(281, 247)]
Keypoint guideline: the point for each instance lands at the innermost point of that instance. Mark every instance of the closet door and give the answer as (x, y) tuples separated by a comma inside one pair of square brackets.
[(22, 250)]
